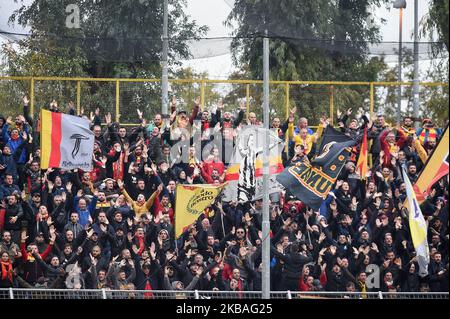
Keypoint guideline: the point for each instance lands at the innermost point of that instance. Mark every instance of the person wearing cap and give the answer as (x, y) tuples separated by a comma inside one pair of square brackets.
[(183, 122)]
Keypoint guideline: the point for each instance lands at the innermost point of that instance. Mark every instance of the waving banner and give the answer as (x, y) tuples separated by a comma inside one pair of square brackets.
[(311, 183), (191, 201), (245, 173), (66, 141)]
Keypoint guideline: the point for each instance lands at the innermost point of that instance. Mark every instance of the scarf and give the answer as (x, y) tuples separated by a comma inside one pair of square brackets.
[(363, 289), (428, 133), (148, 287), (141, 244), (7, 271), (118, 167)]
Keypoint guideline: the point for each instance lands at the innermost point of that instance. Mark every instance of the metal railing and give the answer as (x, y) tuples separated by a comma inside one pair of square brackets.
[(117, 94), (13, 293)]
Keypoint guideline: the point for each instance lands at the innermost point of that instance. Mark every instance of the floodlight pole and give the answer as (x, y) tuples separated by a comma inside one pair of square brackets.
[(266, 220), (416, 64), (165, 60), (400, 60)]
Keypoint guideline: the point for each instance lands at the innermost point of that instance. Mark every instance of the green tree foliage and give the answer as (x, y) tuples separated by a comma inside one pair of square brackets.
[(433, 99), (115, 38), (437, 21), (313, 41)]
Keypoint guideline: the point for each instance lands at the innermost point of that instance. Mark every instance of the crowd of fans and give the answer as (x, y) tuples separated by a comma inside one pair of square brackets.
[(113, 227)]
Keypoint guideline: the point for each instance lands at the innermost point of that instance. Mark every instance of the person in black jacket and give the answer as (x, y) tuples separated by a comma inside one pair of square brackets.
[(410, 281), (149, 275), (438, 273), (293, 265), (13, 217)]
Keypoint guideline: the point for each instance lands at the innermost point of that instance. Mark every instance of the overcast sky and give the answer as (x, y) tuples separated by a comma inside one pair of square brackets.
[(213, 12)]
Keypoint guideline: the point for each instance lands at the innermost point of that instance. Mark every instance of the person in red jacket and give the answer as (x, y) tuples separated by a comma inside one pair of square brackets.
[(163, 206), (214, 162), (307, 281), (390, 146), (32, 269)]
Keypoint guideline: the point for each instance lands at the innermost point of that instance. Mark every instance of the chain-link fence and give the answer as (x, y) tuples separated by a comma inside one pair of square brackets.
[(213, 295), (313, 100)]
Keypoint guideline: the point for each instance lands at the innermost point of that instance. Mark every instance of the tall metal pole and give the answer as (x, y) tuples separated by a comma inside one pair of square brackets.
[(165, 60), (416, 63), (266, 221), (400, 59)]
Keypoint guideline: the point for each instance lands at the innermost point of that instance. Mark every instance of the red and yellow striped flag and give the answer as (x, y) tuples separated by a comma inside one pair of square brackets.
[(66, 141), (435, 168), (362, 167)]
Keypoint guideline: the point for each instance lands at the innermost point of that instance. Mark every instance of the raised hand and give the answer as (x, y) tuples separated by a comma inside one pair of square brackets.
[(49, 221), (197, 101), (243, 251), (50, 186), (89, 233), (25, 100), (69, 187), (108, 119), (52, 235), (243, 106), (322, 237)]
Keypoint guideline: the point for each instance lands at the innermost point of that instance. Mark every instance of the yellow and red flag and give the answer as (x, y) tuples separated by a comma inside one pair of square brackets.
[(435, 168), (66, 141), (362, 167), (192, 201)]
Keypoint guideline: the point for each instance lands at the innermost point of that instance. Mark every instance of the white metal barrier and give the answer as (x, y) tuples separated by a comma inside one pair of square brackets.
[(13, 293)]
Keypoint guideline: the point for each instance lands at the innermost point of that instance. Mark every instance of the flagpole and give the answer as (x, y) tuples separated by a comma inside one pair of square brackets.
[(266, 221)]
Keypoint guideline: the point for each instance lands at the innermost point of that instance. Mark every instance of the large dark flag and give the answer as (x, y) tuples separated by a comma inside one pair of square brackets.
[(311, 182)]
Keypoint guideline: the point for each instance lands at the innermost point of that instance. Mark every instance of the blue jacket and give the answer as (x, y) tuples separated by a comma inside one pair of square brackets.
[(10, 162), (14, 144), (84, 214), (6, 191)]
